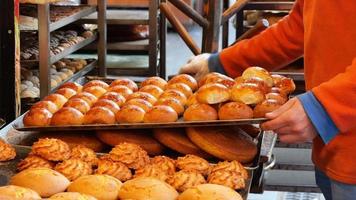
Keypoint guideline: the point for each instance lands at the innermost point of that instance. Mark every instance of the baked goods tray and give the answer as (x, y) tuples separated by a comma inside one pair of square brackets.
[(180, 123)]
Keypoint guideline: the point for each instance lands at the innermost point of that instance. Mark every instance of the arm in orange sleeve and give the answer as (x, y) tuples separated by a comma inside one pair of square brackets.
[(338, 96), (275, 47)]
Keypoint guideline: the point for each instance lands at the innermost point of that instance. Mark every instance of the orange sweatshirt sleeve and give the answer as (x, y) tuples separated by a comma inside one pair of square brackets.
[(338, 96), (272, 49)]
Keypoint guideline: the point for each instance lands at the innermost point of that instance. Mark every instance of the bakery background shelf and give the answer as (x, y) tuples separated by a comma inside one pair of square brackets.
[(120, 17), (137, 45), (20, 127), (39, 1), (269, 5)]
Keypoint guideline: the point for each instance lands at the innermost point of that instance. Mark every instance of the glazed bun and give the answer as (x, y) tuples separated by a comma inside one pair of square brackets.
[(200, 112), (13, 192), (95, 90), (248, 93), (71, 196), (266, 106), (99, 115), (67, 116), (211, 75), (125, 82), (277, 78), (143, 95), (86, 96), (210, 192), (279, 98), (221, 79), (192, 100), (160, 114), (147, 188), (145, 105), (182, 87), (259, 72), (277, 90), (111, 105), (72, 85), (186, 79), (57, 99), (235, 110), (173, 103), (99, 186), (155, 80), (130, 114), (176, 94), (48, 105), (261, 84), (123, 90), (46, 182), (213, 93), (37, 117), (153, 90), (286, 85), (66, 92), (115, 97), (96, 83), (78, 104)]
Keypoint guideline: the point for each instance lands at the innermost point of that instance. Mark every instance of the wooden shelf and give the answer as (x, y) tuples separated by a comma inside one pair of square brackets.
[(269, 5), (120, 17), (138, 45)]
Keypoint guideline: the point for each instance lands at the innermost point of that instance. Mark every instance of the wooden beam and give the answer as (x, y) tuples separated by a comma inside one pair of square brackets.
[(236, 7), (190, 12), (260, 26)]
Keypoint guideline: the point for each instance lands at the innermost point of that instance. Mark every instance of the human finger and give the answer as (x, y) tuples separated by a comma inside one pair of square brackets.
[(281, 109)]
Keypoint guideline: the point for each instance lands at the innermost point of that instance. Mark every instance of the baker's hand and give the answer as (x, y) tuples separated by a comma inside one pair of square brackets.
[(291, 123), (197, 66)]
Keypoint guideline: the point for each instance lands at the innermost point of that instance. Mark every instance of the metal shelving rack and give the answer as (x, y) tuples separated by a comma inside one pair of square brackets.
[(45, 27)]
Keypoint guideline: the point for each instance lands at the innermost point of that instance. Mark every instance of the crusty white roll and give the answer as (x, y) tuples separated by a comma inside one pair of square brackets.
[(213, 93), (13, 192)]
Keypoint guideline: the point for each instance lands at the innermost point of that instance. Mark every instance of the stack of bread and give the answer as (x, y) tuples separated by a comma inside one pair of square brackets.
[(54, 170), (253, 94)]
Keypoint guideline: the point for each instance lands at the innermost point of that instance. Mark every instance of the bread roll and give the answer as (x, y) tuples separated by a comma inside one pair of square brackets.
[(99, 186), (33, 161), (140, 137), (85, 154), (57, 99), (125, 82), (79, 104), (176, 94), (233, 166), (213, 93), (182, 87), (221, 79), (229, 179), (266, 106), (165, 163), (275, 96), (74, 168), (192, 100), (96, 83), (235, 110), (7, 152), (145, 105), (86, 96), (212, 75), (95, 90), (160, 114), (173, 103), (151, 171), (263, 85), (130, 114), (13, 192), (111, 105), (259, 72), (132, 155), (186, 79), (210, 192), (71, 196), (155, 80), (143, 95), (46, 182), (37, 117), (115, 97), (123, 90), (200, 112), (48, 105), (193, 163), (186, 179), (248, 93), (51, 149), (153, 90), (114, 169), (66, 92), (99, 115), (286, 85), (67, 116), (147, 188)]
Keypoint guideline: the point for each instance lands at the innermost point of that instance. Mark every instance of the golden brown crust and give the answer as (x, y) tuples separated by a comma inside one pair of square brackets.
[(143, 95), (33, 161), (278, 97), (213, 93), (153, 90), (106, 103), (192, 100), (145, 105), (151, 171), (192, 162), (7, 152), (74, 168), (165, 163), (173, 103), (99, 115), (235, 110), (37, 117), (266, 106), (185, 179), (97, 91), (182, 87), (221, 79), (78, 104), (248, 93), (72, 85), (160, 113), (48, 105), (96, 83), (115, 169), (200, 112), (86, 96), (115, 97), (57, 99), (121, 89), (130, 114), (67, 116), (125, 82), (85, 154), (155, 80), (132, 155), (186, 79), (176, 94), (66, 92), (258, 72), (51, 149), (227, 178), (234, 166)]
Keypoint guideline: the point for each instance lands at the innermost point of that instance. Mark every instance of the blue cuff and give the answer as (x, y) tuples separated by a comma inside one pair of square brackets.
[(319, 117), (215, 64)]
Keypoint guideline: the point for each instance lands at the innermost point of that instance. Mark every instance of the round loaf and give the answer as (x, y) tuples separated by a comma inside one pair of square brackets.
[(160, 114), (266, 106), (106, 103), (130, 114), (176, 94), (213, 93), (155, 80), (143, 95), (66, 92), (48, 105), (79, 104), (182, 87), (67, 116), (145, 105), (235, 110), (99, 115), (248, 93), (97, 91), (200, 112), (71, 196), (258, 72), (210, 192), (13, 192), (86, 96), (275, 96), (221, 79), (153, 90), (186, 79), (115, 97), (57, 99), (125, 82), (96, 83), (121, 89), (37, 117), (173, 103)]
